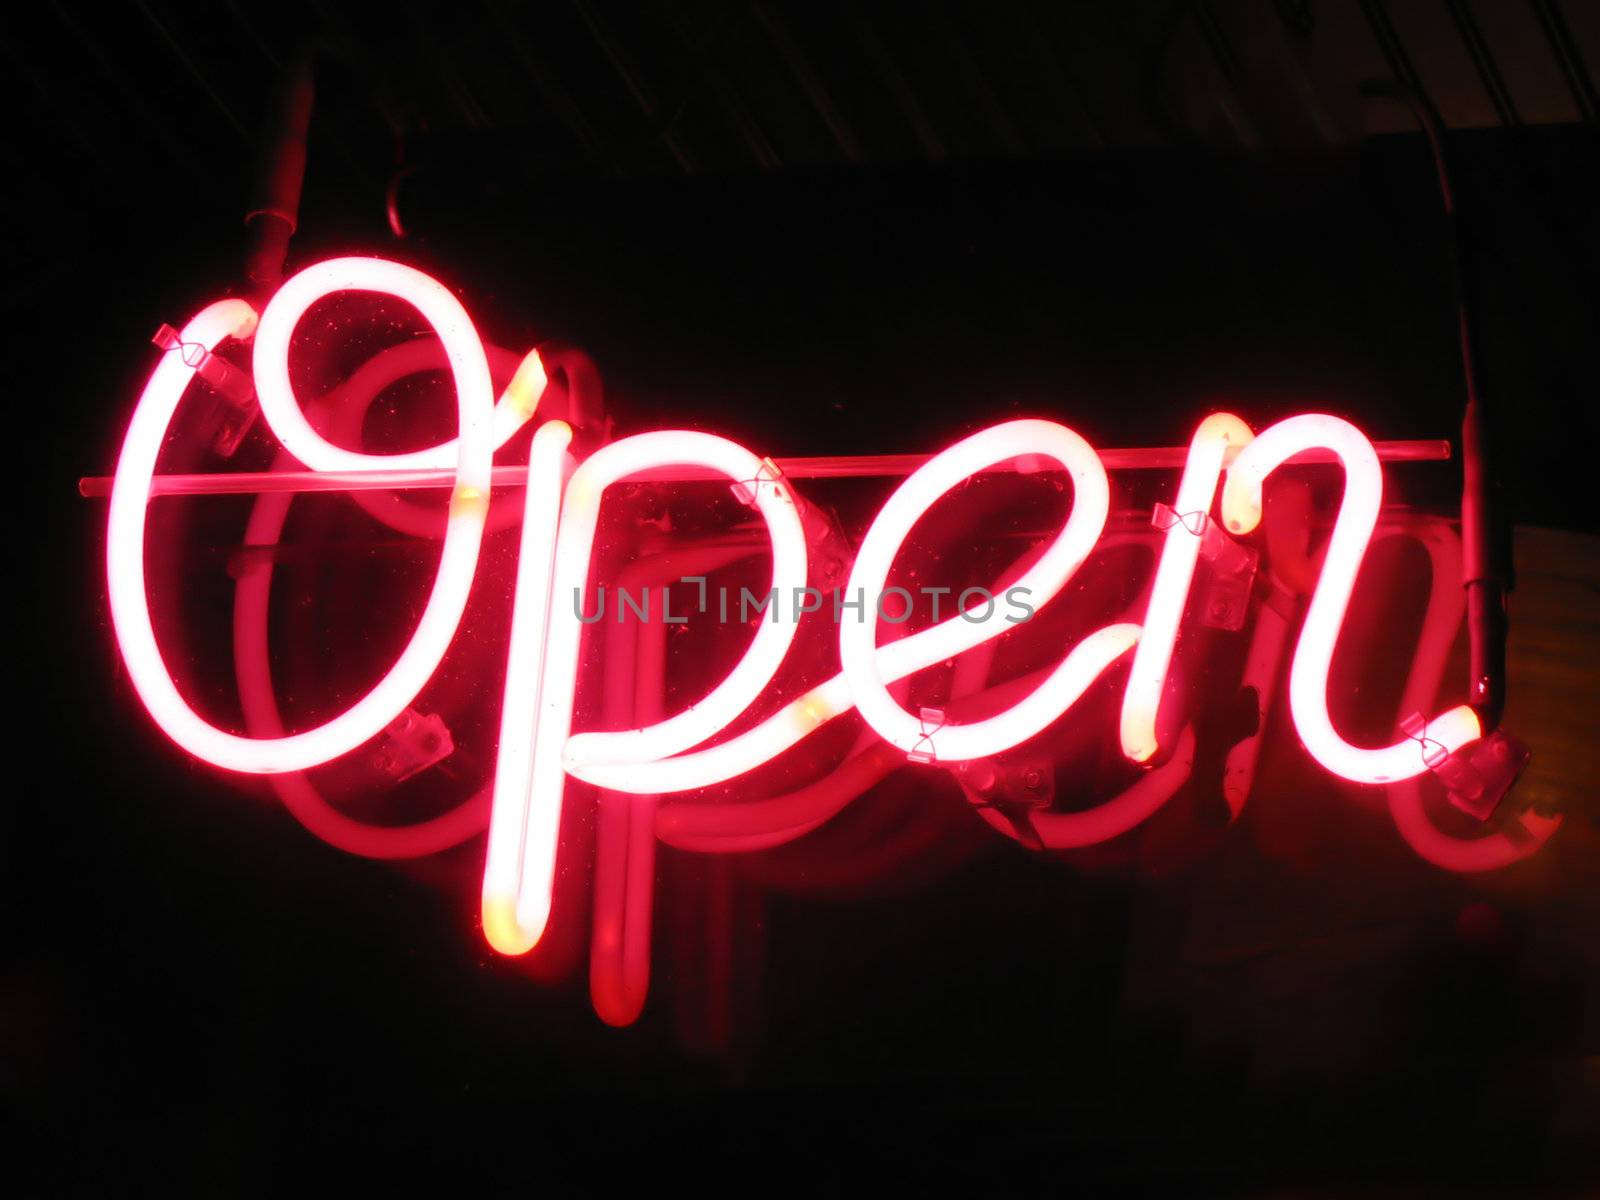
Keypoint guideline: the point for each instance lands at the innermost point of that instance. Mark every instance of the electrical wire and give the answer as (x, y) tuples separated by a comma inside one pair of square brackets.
[(1486, 570)]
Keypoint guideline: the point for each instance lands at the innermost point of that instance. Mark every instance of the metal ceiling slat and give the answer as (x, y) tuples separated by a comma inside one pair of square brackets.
[(1444, 63), (1067, 85), (191, 68), (999, 121), (1222, 64), (1526, 62), (810, 80), (148, 121), (1394, 52), (733, 84), (1569, 56), (643, 95), (1483, 60), (699, 46), (552, 94), (1271, 47), (895, 83)]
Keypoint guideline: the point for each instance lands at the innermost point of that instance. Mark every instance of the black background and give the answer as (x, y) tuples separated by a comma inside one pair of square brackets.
[(198, 992)]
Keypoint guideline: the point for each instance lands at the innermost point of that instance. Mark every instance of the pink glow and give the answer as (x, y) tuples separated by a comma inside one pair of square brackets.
[(649, 754), (253, 664), (1488, 851), (350, 402), (895, 661), (1072, 830), (285, 415), (458, 557), (844, 466), (1358, 514), (513, 861), (1147, 681), (635, 754), (625, 833), (858, 650)]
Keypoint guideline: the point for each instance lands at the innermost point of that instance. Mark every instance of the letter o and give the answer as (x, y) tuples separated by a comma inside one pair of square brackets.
[(130, 497)]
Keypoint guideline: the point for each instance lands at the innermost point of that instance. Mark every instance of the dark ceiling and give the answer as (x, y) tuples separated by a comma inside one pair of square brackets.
[(719, 85)]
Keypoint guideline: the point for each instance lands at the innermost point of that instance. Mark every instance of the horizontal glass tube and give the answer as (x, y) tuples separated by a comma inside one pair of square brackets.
[(1155, 458)]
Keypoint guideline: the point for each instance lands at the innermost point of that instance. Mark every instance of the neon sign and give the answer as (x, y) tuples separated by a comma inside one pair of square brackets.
[(1216, 510)]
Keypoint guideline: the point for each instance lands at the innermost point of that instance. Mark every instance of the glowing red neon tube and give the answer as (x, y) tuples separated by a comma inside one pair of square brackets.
[(1352, 530), (130, 496), (688, 750), (1180, 551), (514, 916), (858, 651)]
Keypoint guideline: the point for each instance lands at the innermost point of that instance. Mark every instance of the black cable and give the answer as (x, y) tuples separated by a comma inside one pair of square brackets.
[(1485, 534)]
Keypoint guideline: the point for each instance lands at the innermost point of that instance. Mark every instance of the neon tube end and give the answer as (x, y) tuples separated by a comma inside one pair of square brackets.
[(501, 929)]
